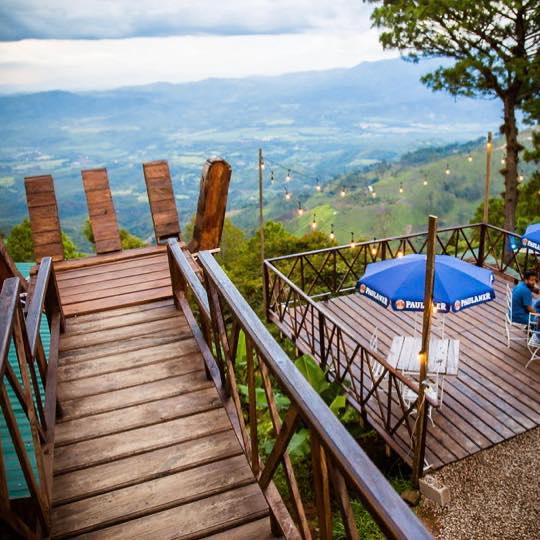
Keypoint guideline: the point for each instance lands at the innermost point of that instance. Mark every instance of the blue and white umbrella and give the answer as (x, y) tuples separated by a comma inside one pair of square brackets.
[(531, 238), (400, 283)]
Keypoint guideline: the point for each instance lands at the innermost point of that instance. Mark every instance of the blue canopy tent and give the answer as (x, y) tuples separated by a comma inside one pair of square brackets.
[(400, 283), (531, 238)]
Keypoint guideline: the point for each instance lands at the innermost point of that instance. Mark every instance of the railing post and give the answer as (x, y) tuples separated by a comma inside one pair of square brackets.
[(266, 292), (322, 347), (481, 245)]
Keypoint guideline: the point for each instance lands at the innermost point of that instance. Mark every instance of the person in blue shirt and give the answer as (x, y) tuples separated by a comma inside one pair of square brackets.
[(522, 299)]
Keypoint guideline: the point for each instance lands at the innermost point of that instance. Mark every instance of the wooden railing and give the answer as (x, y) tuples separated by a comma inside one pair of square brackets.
[(340, 467), (34, 390), (293, 283)]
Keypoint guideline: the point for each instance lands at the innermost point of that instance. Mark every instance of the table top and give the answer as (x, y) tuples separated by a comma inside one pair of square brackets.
[(443, 355)]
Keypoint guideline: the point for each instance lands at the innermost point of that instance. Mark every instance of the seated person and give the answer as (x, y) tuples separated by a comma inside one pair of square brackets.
[(522, 299)]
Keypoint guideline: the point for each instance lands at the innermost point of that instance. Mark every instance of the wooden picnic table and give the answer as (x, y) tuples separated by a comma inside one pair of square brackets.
[(443, 355)]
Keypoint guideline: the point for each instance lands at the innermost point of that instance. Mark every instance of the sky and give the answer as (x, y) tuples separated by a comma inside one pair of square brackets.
[(101, 44)]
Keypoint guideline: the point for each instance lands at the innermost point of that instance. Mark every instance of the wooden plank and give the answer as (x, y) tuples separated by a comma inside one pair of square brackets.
[(83, 295), (194, 520), (44, 221), (128, 345), (256, 530), (136, 416), (112, 447), (161, 198), (143, 467), (212, 204), (115, 334), (111, 382), (128, 299), (101, 210), (152, 496)]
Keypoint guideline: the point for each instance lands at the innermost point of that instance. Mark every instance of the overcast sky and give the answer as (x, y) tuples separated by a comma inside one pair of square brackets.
[(46, 44)]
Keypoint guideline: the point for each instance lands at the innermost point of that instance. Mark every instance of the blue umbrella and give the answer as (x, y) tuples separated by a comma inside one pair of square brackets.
[(531, 238), (400, 283)]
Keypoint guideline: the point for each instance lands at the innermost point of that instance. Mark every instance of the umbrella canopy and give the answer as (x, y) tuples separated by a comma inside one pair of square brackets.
[(531, 238), (400, 283)]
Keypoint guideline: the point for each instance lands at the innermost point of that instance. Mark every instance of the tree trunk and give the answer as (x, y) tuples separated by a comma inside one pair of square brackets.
[(510, 168)]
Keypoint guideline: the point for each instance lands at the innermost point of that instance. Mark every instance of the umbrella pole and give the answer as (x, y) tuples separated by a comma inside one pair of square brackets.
[(421, 408)]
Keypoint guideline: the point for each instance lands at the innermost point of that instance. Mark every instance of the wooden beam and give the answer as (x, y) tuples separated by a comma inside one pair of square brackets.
[(8, 268), (210, 216)]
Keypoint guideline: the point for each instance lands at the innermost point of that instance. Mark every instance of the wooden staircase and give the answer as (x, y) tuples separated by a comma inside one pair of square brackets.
[(144, 447)]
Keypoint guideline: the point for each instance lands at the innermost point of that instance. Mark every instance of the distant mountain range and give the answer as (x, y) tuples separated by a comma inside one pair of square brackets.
[(321, 122)]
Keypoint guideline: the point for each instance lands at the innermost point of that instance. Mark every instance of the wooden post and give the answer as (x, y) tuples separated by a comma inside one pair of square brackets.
[(421, 422), (261, 202), (489, 152)]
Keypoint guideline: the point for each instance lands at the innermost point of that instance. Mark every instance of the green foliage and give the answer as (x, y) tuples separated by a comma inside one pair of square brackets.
[(21, 248), (128, 240), (364, 522)]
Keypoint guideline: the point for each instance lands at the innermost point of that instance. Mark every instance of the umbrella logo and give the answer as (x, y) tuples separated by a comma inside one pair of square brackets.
[(362, 288), (400, 304), (457, 305)]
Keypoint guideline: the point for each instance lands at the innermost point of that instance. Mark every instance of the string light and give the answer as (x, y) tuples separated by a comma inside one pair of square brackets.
[(288, 177), (521, 178), (313, 223), (370, 189), (425, 180), (447, 171), (374, 248), (401, 187), (343, 192), (332, 235), (373, 194), (300, 209), (317, 186), (503, 161), (469, 158), (399, 254), (352, 240), (262, 164), (287, 195), (272, 176)]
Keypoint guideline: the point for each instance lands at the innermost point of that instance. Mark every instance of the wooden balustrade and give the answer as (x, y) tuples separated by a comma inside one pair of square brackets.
[(340, 467), (36, 373)]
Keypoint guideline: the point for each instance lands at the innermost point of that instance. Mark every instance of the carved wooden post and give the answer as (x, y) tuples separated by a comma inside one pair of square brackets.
[(210, 217), (421, 407), (489, 151)]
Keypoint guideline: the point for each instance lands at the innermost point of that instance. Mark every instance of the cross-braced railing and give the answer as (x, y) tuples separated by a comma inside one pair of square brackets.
[(340, 468), (32, 389), (294, 282)]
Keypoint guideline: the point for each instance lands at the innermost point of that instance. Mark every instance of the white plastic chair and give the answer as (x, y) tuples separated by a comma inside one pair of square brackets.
[(376, 367), (511, 326), (533, 339)]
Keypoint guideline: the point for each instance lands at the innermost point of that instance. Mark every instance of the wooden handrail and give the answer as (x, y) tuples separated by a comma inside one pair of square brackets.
[(24, 334), (387, 508)]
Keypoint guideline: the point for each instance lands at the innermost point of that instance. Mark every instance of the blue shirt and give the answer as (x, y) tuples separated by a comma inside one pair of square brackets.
[(521, 299)]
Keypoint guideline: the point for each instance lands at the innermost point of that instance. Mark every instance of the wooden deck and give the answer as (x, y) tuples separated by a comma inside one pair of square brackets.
[(144, 447), (493, 397)]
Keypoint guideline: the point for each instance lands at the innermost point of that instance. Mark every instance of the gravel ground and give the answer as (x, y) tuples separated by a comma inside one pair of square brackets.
[(495, 494)]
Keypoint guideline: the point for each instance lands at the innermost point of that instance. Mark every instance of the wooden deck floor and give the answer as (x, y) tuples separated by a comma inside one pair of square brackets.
[(144, 448), (493, 397)]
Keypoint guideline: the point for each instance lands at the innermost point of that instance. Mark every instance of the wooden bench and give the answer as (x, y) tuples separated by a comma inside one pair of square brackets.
[(44, 221), (162, 202), (101, 210)]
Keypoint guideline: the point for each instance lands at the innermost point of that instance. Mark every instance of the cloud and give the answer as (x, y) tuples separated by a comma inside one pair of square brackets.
[(33, 65), (99, 19)]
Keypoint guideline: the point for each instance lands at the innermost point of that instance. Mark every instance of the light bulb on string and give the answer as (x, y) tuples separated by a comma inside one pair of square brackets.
[(300, 209), (343, 192), (425, 180), (318, 186), (313, 223), (447, 170), (521, 178), (262, 164), (352, 240), (503, 161), (287, 195), (400, 254), (469, 158), (288, 177), (373, 194), (272, 179), (332, 234), (374, 247), (401, 187)]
